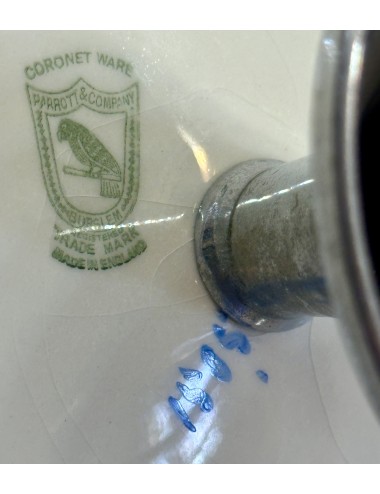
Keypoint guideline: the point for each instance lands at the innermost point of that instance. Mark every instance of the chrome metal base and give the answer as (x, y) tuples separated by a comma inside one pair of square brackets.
[(256, 241), (256, 248)]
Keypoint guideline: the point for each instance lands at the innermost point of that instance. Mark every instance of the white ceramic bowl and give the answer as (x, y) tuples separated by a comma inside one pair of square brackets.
[(134, 363)]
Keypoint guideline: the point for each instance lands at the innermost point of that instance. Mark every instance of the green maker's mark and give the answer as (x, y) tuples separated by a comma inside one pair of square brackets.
[(90, 152), (74, 123)]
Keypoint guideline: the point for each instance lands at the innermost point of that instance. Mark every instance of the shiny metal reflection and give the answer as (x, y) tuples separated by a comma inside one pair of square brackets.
[(277, 243)]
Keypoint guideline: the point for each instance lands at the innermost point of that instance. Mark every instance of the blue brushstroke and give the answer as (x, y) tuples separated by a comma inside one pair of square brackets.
[(218, 367), (197, 396), (222, 316), (234, 339), (191, 374), (262, 375), (180, 412)]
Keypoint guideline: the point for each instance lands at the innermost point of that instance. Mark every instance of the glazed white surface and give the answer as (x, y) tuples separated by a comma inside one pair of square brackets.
[(89, 359)]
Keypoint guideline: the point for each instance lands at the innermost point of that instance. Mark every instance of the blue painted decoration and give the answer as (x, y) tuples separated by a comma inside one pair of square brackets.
[(218, 367), (181, 413), (234, 339), (197, 396), (191, 374), (222, 316), (262, 375)]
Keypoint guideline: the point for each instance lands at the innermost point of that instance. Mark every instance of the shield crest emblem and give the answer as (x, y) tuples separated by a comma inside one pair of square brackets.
[(88, 141)]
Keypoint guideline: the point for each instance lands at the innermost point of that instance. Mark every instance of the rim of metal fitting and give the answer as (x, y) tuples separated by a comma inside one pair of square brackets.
[(212, 239), (340, 213)]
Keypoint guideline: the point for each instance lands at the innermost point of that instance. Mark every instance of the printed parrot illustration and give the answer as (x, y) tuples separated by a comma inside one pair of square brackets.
[(91, 153)]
